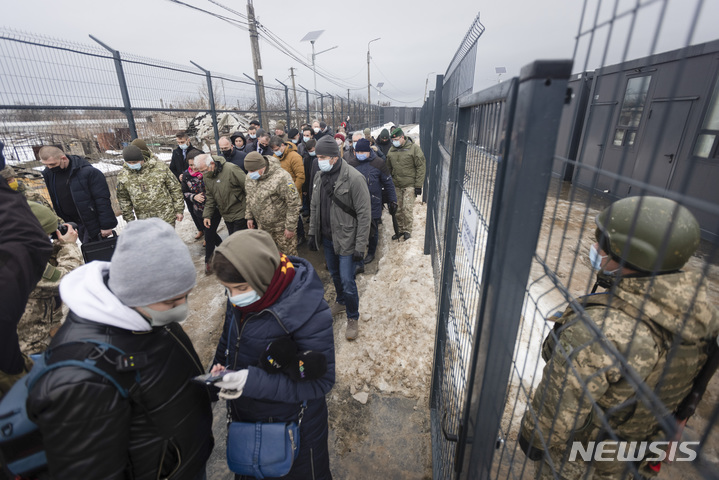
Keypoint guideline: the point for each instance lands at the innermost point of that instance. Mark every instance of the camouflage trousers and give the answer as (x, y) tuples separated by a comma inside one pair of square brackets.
[(405, 209), (288, 246), (38, 324), (581, 470)]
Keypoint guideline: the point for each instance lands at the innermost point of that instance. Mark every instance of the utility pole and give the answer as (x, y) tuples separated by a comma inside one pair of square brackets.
[(369, 82), (256, 60), (294, 90)]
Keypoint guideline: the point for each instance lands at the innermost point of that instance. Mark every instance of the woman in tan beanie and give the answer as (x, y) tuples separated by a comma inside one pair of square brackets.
[(273, 298)]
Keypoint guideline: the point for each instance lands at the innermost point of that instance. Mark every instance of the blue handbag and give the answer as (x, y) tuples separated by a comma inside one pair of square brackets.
[(263, 449)]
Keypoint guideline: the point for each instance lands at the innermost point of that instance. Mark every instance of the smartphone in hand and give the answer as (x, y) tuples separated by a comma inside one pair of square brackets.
[(211, 378)]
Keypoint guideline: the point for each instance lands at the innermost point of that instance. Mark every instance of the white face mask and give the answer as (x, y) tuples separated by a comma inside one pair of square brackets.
[(176, 314), (306, 139), (596, 260), (395, 143), (316, 129), (243, 299), (324, 165)]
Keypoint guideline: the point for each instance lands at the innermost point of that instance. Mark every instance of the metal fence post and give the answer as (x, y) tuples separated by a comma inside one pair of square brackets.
[(433, 162), (287, 103), (334, 125), (322, 106), (307, 96), (257, 93), (213, 109), (519, 202), (123, 88)]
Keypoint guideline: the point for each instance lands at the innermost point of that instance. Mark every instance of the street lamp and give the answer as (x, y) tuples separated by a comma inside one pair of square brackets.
[(312, 38), (499, 71), (379, 87), (369, 83), (426, 82)]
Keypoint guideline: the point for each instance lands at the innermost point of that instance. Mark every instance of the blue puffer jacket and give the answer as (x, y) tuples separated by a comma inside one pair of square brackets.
[(275, 397), (90, 194), (378, 178)]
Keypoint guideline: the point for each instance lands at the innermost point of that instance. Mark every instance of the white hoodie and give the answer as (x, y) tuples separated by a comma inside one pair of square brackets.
[(85, 292)]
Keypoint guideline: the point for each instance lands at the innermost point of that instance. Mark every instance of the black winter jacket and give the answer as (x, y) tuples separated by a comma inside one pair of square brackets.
[(90, 193), (379, 181), (91, 432), (178, 164), (24, 252)]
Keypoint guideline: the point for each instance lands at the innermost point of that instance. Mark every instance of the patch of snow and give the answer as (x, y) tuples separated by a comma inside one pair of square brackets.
[(398, 316)]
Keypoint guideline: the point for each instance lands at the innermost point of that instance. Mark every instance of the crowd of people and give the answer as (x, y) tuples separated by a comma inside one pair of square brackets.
[(274, 192)]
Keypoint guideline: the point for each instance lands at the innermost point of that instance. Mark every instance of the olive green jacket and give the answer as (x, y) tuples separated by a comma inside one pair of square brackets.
[(225, 191), (407, 165)]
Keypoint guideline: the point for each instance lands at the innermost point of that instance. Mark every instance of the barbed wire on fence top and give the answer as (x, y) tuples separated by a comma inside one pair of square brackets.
[(470, 38), (50, 42)]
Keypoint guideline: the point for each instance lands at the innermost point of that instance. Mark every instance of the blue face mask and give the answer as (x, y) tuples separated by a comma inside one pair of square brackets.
[(395, 143), (362, 156), (254, 175), (595, 259), (354, 145), (324, 165), (243, 299), (312, 154), (134, 166), (184, 146), (252, 135), (278, 153), (306, 139)]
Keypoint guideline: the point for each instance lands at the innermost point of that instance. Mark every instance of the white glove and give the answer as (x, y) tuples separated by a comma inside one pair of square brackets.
[(232, 384)]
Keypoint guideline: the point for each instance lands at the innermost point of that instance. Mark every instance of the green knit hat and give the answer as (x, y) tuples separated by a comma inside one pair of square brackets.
[(254, 161), (46, 217), (397, 132), (255, 256), (140, 143)]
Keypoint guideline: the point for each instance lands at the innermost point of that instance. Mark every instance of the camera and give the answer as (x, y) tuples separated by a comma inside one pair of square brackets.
[(62, 227)]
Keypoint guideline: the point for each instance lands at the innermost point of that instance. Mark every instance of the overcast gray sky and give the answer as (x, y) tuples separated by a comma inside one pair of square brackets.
[(417, 37)]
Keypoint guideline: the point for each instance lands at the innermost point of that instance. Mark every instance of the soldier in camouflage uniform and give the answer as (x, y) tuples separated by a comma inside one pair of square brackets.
[(147, 188), (658, 317), (272, 201), (43, 313), (8, 173)]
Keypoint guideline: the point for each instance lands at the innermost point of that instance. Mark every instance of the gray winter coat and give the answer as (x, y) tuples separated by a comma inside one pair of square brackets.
[(349, 234)]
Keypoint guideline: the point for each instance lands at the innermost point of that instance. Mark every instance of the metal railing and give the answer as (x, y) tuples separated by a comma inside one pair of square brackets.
[(509, 228)]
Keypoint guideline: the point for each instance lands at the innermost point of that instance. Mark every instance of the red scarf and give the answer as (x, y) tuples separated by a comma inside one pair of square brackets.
[(280, 280), (195, 173)]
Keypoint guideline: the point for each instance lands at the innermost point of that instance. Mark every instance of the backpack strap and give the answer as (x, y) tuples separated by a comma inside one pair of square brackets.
[(98, 357)]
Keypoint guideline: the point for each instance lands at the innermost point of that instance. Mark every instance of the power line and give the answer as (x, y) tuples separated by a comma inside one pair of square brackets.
[(243, 25)]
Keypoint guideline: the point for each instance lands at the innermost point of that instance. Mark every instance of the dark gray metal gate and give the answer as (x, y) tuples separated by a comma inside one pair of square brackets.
[(509, 246)]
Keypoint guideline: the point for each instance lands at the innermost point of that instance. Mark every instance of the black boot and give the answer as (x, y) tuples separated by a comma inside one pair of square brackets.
[(406, 236), (369, 258)]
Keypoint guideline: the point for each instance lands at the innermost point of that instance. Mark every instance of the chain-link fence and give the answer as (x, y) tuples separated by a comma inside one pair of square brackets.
[(91, 101), (532, 377)]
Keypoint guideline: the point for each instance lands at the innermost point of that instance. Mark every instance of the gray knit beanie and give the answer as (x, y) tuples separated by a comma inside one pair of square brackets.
[(327, 147), (255, 256), (150, 264)]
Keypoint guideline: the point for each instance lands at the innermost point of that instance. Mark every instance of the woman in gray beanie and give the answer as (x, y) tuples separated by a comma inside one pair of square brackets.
[(135, 303), (272, 297)]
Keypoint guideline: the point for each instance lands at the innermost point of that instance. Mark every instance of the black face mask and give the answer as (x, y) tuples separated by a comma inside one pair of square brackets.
[(227, 153), (56, 169)]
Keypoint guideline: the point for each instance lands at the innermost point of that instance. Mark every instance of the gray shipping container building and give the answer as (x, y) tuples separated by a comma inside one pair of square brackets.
[(654, 120)]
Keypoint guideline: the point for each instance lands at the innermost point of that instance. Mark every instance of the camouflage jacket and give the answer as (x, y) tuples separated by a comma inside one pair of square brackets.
[(225, 190), (43, 312), (647, 326), (272, 201), (152, 191)]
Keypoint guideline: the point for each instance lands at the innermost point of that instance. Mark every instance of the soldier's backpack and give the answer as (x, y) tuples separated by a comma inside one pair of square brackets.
[(22, 452)]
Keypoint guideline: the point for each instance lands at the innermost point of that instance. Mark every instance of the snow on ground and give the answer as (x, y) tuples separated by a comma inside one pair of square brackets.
[(388, 126), (398, 315)]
